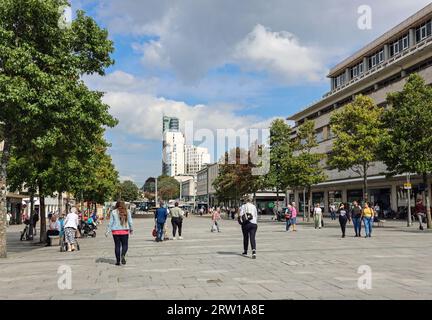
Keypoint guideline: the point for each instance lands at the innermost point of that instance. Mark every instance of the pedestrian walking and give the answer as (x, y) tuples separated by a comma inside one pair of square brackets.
[(420, 212), (294, 213), (216, 217), (8, 219), (356, 216), (248, 219), (161, 215), (367, 216), (120, 226), (177, 215), (70, 228), (333, 211), (288, 217), (317, 212), (343, 218)]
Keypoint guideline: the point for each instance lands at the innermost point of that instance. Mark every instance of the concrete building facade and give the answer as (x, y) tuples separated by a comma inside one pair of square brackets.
[(377, 69)]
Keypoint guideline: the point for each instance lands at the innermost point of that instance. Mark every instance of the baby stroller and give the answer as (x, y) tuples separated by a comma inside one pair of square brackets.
[(88, 229), (63, 244)]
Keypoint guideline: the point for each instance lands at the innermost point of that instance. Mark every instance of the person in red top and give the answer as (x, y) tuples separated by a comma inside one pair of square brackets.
[(216, 217), (420, 211)]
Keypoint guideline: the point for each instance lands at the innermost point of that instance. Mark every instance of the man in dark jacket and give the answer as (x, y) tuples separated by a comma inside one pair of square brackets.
[(161, 215), (356, 213)]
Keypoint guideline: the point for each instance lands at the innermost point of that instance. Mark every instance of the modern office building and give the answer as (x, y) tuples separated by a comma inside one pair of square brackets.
[(195, 159), (173, 154), (188, 189), (179, 158), (170, 124), (377, 69)]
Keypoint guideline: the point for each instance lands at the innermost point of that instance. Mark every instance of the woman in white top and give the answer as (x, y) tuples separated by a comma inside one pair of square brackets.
[(248, 218), (70, 228), (317, 216)]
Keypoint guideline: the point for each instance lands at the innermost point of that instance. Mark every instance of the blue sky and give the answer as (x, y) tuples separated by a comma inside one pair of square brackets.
[(222, 64)]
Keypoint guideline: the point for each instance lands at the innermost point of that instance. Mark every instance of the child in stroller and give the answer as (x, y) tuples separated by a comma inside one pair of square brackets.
[(88, 228)]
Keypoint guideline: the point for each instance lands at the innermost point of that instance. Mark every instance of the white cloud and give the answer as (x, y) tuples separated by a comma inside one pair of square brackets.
[(195, 37), (154, 55), (280, 53), (141, 114)]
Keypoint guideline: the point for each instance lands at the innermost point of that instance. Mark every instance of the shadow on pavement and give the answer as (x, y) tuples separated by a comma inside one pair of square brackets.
[(229, 253), (14, 245), (105, 260)]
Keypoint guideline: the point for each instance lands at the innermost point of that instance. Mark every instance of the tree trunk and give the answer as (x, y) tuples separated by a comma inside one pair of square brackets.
[(42, 231), (3, 198), (31, 213), (428, 209), (310, 206), (60, 203), (365, 184)]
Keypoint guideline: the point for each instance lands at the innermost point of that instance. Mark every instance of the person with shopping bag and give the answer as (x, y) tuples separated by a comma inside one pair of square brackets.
[(216, 217)]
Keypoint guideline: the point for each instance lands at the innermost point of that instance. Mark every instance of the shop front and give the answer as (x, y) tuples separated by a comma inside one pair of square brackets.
[(15, 207)]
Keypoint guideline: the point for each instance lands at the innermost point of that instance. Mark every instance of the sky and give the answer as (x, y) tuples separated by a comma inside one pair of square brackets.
[(222, 64)]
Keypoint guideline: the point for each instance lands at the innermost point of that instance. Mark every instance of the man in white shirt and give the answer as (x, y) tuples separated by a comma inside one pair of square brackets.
[(317, 216), (248, 218)]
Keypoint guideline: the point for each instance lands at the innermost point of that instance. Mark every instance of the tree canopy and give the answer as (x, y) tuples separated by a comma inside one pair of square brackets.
[(51, 120), (358, 129), (407, 146)]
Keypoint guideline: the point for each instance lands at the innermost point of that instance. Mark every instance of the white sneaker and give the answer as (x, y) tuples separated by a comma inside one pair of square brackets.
[(180, 238), (174, 238)]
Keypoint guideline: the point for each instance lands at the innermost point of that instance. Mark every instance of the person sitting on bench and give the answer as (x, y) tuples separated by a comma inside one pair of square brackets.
[(53, 230)]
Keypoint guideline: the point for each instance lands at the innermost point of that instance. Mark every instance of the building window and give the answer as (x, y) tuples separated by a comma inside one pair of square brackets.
[(340, 80), (423, 31), (319, 135), (405, 43)]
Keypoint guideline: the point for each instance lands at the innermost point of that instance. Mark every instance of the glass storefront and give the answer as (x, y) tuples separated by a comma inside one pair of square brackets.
[(354, 195), (318, 197), (335, 197), (382, 197)]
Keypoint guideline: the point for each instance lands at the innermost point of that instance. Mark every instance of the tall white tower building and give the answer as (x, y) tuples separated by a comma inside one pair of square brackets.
[(173, 153)]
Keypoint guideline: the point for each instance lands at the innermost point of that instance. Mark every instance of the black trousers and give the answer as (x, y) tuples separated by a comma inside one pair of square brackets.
[(177, 223), (343, 222), (249, 232), (121, 245), (51, 233)]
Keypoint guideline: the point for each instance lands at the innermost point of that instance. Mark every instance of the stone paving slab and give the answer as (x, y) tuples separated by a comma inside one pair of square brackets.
[(308, 264)]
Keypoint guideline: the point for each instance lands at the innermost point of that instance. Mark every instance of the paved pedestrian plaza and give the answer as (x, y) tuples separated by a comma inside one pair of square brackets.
[(308, 264)]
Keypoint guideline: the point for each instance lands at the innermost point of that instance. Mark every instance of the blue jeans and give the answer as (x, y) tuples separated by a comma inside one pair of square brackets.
[(368, 226), (288, 224), (357, 226), (160, 231), (333, 215)]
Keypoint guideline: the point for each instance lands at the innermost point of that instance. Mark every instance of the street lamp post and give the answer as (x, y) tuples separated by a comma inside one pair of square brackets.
[(409, 200), (156, 191)]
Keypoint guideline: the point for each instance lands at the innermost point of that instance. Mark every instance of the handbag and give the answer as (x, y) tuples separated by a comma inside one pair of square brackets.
[(154, 232)]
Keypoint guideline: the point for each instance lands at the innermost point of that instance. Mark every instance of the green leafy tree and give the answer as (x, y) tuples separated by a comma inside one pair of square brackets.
[(407, 146), (281, 156), (168, 188), (128, 191), (306, 168), (149, 186), (100, 181), (358, 131), (48, 114), (236, 177)]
